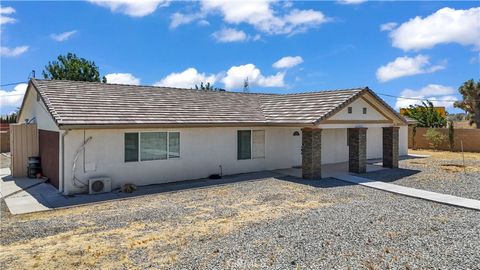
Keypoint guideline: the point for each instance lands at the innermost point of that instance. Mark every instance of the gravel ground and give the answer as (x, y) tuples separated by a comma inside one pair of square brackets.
[(4, 160), (441, 172), (268, 223)]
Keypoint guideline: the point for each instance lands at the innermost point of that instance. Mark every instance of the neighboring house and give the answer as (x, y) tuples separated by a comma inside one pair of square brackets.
[(146, 135)]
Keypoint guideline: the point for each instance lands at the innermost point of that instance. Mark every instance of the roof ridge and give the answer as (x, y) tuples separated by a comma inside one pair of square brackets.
[(191, 89), (155, 86), (330, 90)]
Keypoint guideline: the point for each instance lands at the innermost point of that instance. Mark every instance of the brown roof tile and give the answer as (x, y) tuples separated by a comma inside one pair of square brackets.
[(87, 103)]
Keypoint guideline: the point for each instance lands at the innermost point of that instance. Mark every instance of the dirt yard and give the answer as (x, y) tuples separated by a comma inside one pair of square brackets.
[(109, 234), (445, 172), (265, 223)]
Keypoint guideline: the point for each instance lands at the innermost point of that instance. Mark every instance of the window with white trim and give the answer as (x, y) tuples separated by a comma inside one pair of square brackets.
[(250, 144), (144, 146)]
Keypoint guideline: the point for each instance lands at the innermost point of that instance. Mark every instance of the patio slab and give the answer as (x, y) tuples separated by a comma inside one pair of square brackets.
[(10, 185), (329, 170), (413, 192)]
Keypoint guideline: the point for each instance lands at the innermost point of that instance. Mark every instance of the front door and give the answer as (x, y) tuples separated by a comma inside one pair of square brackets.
[(297, 148)]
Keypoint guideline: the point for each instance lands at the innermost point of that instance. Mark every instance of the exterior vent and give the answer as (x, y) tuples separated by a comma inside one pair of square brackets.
[(99, 185)]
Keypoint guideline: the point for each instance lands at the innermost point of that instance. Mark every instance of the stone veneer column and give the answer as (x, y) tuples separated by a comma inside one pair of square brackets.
[(311, 153), (357, 150), (390, 147)]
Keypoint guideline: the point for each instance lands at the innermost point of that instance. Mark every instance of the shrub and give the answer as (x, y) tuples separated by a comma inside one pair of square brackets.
[(434, 138)]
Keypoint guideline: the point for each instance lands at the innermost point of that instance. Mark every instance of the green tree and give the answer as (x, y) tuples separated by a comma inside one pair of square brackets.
[(426, 115), (71, 67), (470, 91), (207, 87)]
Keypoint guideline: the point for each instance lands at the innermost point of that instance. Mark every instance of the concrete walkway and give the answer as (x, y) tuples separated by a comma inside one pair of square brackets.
[(413, 192)]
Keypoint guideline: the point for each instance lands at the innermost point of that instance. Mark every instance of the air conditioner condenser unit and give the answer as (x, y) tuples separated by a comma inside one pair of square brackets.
[(99, 185)]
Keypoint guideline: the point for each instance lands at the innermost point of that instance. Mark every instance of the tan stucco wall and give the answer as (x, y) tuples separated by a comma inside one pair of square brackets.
[(202, 150), (357, 112), (469, 137), (33, 108)]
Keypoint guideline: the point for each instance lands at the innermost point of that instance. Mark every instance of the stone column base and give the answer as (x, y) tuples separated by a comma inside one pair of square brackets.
[(357, 150), (311, 153), (390, 147)]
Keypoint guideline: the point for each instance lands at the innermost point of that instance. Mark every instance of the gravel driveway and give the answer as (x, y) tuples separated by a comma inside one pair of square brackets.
[(441, 172), (269, 223)]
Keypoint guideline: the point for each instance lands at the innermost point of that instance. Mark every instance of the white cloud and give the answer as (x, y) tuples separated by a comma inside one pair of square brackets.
[(263, 17), (203, 22), (304, 17), (6, 19), (430, 90), (229, 35), (407, 66), (7, 10), (177, 19), (439, 95), (233, 78), (63, 36), (447, 25), (186, 79), (351, 2), (236, 76), (13, 98), (388, 26), (11, 52), (133, 8), (288, 62), (122, 78)]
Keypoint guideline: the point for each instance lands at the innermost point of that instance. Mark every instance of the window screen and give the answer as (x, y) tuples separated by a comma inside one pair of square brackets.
[(173, 144), (258, 144), (350, 109), (364, 110), (131, 147), (153, 145), (244, 147)]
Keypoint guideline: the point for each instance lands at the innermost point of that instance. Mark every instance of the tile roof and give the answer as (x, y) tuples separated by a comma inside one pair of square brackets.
[(91, 103)]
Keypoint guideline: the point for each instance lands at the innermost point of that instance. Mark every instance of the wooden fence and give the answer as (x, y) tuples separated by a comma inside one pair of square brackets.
[(4, 141), (4, 138), (23, 144), (469, 137)]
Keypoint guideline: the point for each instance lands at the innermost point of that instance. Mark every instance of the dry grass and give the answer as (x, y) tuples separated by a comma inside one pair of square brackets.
[(94, 245), (453, 160), (445, 154)]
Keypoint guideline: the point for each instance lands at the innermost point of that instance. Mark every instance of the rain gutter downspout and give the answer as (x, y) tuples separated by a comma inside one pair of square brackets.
[(63, 160)]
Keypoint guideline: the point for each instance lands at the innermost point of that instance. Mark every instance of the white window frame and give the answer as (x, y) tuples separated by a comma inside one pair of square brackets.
[(251, 144), (140, 145), (264, 144)]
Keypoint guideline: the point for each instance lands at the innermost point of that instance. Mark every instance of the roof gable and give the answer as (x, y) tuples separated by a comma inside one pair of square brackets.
[(357, 112)]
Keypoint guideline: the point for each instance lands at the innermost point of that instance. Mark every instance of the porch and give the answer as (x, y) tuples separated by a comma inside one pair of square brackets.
[(325, 153)]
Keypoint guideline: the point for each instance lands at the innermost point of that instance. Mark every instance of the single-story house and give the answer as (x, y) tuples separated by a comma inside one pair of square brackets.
[(146, 135)]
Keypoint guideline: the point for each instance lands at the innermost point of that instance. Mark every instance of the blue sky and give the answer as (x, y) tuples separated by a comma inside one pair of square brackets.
[(414, 49)]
